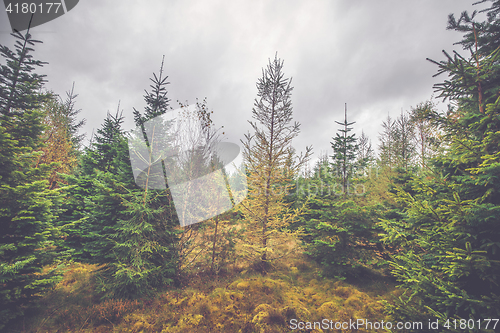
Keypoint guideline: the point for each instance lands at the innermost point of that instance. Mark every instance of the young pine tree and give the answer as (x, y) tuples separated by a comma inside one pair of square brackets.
[(426, 134), (27, 207), (336, 222), (345, 151), (271, 165), (366, 155), (449, 229), (61, 141), (387, 155), (143, 253), (120, 223)]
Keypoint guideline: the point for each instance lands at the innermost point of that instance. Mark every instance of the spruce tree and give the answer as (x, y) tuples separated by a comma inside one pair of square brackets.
[(335, 221), (27, 207), (104, 164), (387, 156), (448, 228), (481, 37), (345, 149), (70, 113), (366, 155), (405, 147), (426, 134), (133, 224)]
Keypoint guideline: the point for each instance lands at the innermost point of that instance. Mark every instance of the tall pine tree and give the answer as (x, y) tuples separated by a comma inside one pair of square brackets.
[(335, 222), (271, 164), (345, 149), (27, 207), (449, 225), (135, 223)]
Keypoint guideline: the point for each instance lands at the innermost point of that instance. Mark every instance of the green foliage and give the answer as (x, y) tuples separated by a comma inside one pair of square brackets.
[(142, 257), (18, 83), (113, 222), (448, 230), (337, 225), (156, 99), (345, 149), (28, 208), (482, 37), (91, 207), (339, 234)]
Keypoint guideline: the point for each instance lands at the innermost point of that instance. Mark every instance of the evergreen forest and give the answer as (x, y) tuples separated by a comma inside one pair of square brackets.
[(399, 229)]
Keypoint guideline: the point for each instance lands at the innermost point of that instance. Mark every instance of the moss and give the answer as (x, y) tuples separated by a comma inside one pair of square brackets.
[(244, 303), (343, 292), (260, 317), (189, 321), (263, 308), (137, 323), (267, 317), (355, 300), (328, 309), (243, 285), (296, 311), (309, 291)]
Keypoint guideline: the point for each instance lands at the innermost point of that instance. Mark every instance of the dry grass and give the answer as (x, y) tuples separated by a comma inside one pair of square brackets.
[(239, 302)]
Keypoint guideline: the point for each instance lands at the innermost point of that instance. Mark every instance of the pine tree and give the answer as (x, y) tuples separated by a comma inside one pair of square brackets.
[(117, 221), (27, 207), (404, 144), (366, 155), (449, 224), (387, 158), (140, 247), (70, 115), (156, 100), (426, 134), (270, 163), (335, 222), (104, 168), (481, 37), (61, 141), (345, 149), (18, 82)]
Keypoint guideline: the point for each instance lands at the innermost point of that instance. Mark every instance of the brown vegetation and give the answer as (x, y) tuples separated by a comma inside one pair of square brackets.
[(242, 301)]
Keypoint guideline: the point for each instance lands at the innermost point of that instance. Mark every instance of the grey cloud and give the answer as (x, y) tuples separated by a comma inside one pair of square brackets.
[(370, 54)]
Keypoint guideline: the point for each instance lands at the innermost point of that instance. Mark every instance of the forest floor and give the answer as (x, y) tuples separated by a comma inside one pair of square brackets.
[(242, 301)]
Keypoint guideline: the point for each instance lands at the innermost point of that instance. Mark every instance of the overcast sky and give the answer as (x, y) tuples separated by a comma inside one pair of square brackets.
[(368, 54)]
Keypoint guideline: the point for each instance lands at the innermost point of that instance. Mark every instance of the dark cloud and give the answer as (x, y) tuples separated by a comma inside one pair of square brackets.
[(369, 54)]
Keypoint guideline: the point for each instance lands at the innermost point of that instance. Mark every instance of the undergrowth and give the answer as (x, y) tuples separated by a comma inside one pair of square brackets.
[(243, 301)]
